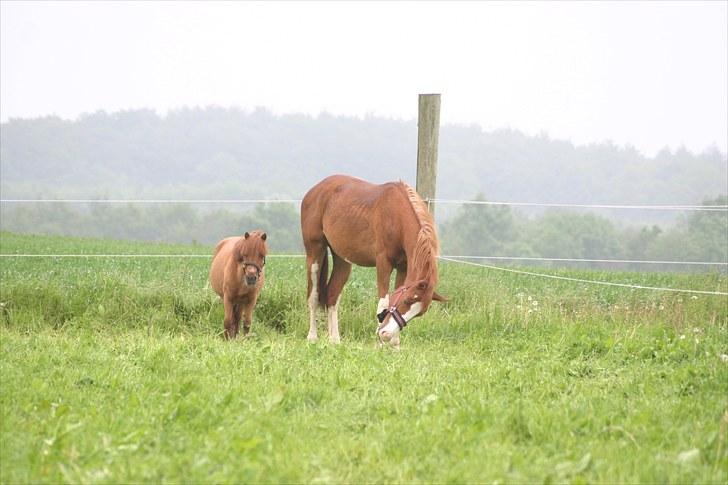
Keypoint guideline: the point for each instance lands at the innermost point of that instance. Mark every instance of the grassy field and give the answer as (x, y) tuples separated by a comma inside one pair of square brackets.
[(113, 370)]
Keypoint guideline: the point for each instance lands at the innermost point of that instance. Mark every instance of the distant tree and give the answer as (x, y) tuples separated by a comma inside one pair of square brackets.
[(483, 230), (560, 234), (700, 236)]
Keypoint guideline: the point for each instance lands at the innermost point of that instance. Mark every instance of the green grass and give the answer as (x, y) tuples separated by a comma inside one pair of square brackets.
[(112, 370)]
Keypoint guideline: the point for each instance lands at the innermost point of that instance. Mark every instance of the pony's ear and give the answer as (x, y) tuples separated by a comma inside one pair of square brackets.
[(437, 297), (246, 235), (264, 236)]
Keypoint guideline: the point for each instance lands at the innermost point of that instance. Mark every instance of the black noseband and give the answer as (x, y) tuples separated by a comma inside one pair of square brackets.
[(401, 322)]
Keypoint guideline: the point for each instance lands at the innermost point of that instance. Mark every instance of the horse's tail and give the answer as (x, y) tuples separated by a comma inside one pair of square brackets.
[(323, 288)]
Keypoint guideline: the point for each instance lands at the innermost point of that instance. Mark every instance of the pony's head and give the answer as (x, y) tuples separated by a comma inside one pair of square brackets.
[(401, 306), (249, 254)]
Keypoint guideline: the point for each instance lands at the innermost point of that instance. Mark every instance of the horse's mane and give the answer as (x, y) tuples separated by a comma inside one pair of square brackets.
[(427, 248)]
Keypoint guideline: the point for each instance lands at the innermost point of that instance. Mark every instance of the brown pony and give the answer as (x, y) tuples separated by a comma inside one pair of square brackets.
[(237, 275), (387, 226)]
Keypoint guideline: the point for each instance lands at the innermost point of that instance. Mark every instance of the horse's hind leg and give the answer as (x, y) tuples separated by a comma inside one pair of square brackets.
[(315, 257), (339, 275)]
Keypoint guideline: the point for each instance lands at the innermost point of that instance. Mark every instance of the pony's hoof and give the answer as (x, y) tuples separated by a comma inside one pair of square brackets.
[(334, 340), (312, 339)]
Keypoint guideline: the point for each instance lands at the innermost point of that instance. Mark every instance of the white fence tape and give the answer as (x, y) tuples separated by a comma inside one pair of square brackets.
[(579, 280)]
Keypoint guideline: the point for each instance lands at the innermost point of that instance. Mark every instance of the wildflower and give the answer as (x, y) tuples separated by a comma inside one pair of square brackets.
[(682, 337)]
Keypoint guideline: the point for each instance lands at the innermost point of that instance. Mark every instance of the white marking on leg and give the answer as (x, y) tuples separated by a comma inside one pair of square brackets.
[(333, 320), (383, 304), (313, 304)]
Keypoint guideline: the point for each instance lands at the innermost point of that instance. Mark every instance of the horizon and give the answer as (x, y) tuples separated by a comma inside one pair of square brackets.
[(363, 117)]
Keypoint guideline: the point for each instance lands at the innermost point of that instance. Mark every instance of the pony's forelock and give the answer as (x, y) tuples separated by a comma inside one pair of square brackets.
[(254, 241)]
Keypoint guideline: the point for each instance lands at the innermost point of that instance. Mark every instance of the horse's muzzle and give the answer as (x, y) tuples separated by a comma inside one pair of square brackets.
[(251, 280)]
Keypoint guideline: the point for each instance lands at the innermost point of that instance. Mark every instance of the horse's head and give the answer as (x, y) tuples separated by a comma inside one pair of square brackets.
[(250, 252), (401, 306)]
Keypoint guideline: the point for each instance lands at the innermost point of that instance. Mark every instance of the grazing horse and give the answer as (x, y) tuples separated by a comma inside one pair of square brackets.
[(237, 275), (387, 226)]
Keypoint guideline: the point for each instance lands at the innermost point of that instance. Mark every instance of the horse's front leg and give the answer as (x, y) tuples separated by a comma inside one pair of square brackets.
[(384, 272)]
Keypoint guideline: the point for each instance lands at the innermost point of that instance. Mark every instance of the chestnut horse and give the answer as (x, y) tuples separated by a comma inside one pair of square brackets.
[(237, 275), (387, 226)]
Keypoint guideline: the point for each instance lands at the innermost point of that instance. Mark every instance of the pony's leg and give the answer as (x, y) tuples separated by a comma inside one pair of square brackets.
[(314, 261), (232, 318), (339, 275), (247, 314)]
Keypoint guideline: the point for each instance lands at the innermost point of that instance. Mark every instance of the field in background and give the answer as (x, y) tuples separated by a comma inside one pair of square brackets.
[(112, 370)]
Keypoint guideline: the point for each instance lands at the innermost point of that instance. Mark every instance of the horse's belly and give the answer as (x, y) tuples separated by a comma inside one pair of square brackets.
[(352, 246)]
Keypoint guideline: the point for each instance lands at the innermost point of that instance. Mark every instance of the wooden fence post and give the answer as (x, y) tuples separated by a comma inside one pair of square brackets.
[(428, 129)]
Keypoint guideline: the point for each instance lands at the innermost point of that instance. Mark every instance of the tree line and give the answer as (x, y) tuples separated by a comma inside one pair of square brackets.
[(231, 153), (471, 230)]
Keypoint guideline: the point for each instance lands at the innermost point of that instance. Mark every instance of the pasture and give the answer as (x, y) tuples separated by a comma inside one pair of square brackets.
[(113, 370)]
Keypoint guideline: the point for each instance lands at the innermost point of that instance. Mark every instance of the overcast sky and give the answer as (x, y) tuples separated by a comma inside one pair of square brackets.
[(647, 74)]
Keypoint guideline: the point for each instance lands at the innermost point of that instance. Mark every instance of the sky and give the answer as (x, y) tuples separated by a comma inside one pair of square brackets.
[(645, 74)]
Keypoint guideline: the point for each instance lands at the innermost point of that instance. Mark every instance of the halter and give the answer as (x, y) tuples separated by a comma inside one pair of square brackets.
[(258, 269), (392, 310)]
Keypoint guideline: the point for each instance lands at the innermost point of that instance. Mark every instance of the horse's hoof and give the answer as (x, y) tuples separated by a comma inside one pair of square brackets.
[(312, 339)]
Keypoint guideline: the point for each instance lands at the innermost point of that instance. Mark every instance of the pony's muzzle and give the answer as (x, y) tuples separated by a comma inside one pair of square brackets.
[(251, 280)]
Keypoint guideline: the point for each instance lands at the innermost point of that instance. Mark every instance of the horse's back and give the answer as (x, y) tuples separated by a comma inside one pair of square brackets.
[(219, 261), (345, 212)]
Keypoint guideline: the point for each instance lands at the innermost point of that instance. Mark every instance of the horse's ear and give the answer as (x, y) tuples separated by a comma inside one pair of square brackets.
[(246, 235), (264, 236), (437, 297)]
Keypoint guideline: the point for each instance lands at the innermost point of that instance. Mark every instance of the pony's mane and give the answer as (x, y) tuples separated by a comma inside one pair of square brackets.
[(427, 248)]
